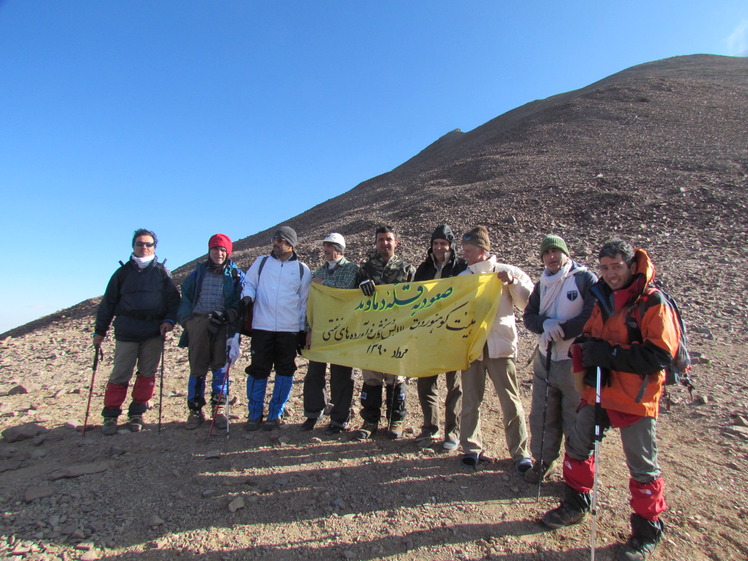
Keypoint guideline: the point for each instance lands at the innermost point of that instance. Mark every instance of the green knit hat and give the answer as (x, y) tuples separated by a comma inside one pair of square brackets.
[(553, 242)]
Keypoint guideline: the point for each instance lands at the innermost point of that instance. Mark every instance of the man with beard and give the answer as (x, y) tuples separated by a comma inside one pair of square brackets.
[(144, 299), (441, 262), (383, 267), (277, 287), (209, 314)]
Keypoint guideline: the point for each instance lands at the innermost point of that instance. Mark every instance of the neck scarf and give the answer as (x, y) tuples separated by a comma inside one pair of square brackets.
[(143, 262), (550, 286)]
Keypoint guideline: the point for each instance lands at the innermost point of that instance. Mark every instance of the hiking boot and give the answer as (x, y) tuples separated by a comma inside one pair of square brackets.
[(645, 535), (450, 445), (109, 426), (535, 475), (220, 421), (473, 459), (135, 423), (426, 437), (395, 430), (334, 429), (253, 424), (366, 431), (564, 515), (195, 419), (523, 466), (308, 424), (272, 424)]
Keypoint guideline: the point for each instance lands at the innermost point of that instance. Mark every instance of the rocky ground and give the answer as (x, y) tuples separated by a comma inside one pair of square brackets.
[(655, 154), (293, 495)]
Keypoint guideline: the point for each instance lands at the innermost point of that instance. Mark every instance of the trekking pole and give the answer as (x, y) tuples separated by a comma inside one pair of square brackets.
[(598, 438), (98, 354), (545, 411), (161, 382)]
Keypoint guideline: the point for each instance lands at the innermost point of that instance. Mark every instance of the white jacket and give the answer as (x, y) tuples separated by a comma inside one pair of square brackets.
[(279, 293), (502, 339)]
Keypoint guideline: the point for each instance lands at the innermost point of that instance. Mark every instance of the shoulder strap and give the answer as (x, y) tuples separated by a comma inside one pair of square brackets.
[(259, 272), (301, 271)]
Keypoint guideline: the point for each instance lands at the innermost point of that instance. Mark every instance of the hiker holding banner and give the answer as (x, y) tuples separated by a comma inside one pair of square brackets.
[(441, 262), (632, 373), (558, 308), (337, 272), (498, 358), (278, 286), (383, 267)]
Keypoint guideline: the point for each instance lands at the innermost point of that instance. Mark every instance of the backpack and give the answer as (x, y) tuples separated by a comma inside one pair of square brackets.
[(246, 311), (677, 371)]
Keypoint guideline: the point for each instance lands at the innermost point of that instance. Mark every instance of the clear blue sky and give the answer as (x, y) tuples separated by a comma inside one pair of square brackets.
[(194, 117)]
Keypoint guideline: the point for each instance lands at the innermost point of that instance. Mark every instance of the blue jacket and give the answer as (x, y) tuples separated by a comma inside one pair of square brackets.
[(141, 300), (233, 279)]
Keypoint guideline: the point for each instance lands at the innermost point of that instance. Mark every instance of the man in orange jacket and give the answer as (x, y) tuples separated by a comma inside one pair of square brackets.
[(631, 336)]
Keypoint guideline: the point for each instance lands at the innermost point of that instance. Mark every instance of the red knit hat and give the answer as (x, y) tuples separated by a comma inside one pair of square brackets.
[(221, 240)]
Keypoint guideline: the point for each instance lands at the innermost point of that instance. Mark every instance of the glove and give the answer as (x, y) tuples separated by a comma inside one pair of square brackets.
[(233, 349), (300, 342), (232, 315), (216, 320), (367, 287), (247, 301), (554, 330), (596, 352)]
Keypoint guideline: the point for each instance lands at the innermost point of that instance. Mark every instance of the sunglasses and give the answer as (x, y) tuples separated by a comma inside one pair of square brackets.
[(145, 244)]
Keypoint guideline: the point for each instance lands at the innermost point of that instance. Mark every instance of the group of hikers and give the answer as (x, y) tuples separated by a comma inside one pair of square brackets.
[(606, 340)]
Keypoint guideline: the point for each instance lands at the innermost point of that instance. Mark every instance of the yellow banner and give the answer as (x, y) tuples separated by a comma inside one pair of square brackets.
[(408, 329)]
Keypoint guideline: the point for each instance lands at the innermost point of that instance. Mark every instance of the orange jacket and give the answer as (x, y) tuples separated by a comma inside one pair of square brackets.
[(636, 369)]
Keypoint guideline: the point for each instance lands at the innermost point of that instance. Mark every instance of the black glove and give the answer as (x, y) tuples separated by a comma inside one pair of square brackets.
[(300, 342), (232, 315), (247, 301), (596, 352), (216, 320), (367, 287)]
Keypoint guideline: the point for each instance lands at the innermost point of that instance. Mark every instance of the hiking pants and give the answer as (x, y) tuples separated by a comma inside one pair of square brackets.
[(127, 355), (503, 374), (428, 387), (639, 442), (316, 398), (560, 407), (206, 351)]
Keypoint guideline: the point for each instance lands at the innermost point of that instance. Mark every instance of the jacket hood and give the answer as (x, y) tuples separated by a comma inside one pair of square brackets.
[(644, 265)]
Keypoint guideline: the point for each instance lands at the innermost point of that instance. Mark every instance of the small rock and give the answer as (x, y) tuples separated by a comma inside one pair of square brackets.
[(701, 400), (78, 470), (207, 493), (236, 504), (740, 421), (85, 546), (22, 389), (212, 454), (33, 493), (348, 554), (155, 521), (23, 432), (90, 555), (338, 503)]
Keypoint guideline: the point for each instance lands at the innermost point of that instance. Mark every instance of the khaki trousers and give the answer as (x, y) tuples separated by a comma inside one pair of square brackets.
[(503, 374)]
